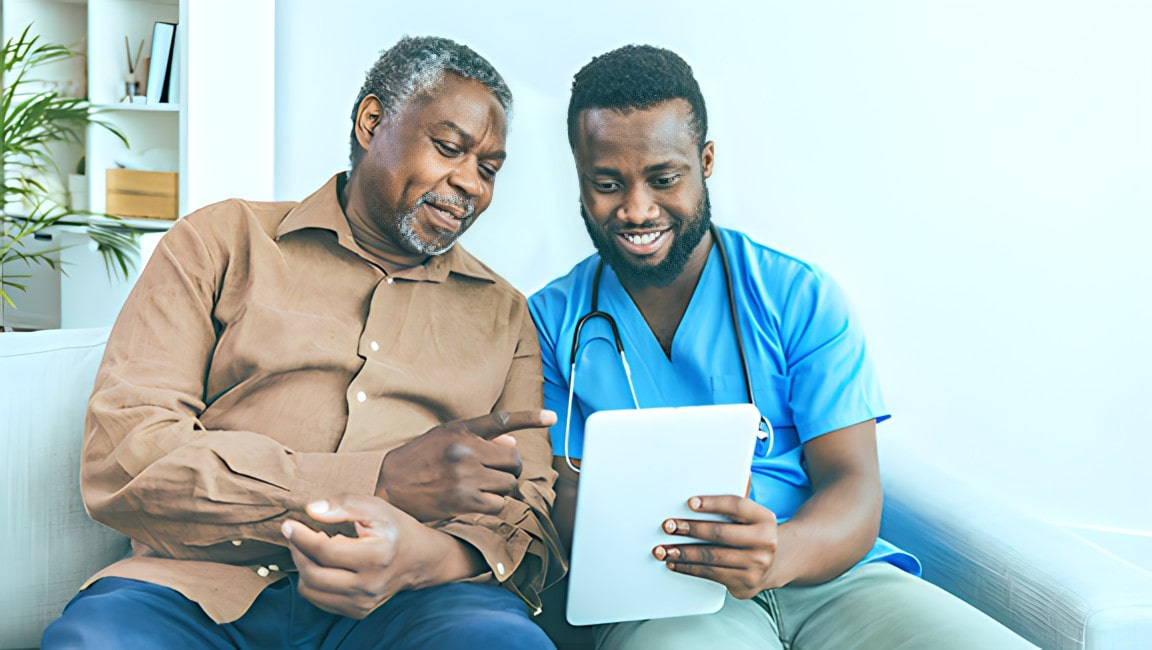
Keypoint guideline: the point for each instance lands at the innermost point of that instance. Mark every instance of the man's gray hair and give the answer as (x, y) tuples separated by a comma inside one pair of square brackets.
[(418, 63)]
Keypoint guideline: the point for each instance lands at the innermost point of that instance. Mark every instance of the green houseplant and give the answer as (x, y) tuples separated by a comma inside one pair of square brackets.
[(35, 117)]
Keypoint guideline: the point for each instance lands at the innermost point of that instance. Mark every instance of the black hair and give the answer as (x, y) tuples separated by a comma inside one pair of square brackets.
[(636, 77)]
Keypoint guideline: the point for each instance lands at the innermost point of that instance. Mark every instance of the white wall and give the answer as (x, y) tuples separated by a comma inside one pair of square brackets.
[(977, 174)]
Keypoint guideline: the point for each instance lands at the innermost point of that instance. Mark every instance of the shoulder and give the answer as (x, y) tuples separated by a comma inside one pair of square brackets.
[(778, 275), (235, 221), (567, 293)]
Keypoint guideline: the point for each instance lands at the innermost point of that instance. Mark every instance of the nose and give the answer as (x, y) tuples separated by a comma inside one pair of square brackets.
[(638, 207), (466, 178)]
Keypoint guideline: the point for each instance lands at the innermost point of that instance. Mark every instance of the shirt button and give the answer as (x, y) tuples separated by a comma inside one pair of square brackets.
[(375, 346), (389, 280), (361, 397), (237, 542), (500, 568), (263, 572)]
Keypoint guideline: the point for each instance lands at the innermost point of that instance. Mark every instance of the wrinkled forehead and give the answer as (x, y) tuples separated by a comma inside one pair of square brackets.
[(468, 104)]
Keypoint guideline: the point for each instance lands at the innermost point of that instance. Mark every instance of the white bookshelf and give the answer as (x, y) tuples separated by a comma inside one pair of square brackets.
[(147, 126), (221, 128)]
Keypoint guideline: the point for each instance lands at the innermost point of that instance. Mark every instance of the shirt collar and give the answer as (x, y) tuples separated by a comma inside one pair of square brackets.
[(322, 211)]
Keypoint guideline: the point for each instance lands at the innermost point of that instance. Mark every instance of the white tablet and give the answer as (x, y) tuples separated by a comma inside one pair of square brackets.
[(639, 467)]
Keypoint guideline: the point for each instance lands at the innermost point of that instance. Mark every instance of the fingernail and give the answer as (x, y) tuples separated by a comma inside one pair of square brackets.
[(694, 503), (318, 507), (286, 530), (670, 526)]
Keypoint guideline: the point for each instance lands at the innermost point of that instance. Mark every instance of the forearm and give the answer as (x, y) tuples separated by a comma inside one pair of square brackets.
[(215, 495), (830, 533), (450, 560)]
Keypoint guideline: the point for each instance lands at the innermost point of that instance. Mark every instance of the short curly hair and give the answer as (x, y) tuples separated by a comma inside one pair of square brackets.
[(636, 77), (418, 63)]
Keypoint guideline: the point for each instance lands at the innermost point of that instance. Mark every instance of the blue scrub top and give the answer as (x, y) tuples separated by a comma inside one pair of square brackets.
[(810, 370)]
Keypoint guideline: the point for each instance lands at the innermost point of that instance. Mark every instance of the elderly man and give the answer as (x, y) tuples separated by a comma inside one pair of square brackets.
[(708, 316), (320, 422)]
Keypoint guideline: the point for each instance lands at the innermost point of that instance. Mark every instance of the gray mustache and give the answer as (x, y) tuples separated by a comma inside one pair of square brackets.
[(444, 199)]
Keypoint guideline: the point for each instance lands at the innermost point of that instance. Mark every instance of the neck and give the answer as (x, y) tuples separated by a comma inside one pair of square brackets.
[(372, 239), (663, 306)]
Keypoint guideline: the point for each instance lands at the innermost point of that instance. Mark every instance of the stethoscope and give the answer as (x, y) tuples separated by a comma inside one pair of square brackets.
[(765, 431)]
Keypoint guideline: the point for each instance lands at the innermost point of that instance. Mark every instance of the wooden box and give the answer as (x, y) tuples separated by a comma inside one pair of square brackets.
[(144, 195)]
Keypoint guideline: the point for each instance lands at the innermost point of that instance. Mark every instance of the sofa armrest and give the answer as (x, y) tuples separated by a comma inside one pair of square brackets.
[(1048, 585), (49, 544)]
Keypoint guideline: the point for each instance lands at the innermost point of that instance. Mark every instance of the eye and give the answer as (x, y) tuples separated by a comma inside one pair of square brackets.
[(488, 171), (605, 187), (666, 181), (447, 148)]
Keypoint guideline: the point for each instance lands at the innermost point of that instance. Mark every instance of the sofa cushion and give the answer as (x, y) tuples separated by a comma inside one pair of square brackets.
[(1049, 586), (49, 544)]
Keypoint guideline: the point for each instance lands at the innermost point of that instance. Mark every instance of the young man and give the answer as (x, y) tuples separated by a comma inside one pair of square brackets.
[(800, 557), (320, 422)]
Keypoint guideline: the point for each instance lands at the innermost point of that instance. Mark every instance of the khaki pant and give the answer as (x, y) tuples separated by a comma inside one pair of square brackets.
[(875, 606)]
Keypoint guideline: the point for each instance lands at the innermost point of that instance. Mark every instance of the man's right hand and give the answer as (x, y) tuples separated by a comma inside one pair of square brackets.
[(458, 467)]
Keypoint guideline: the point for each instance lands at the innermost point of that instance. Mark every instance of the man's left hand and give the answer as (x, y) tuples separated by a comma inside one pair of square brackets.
[(352, 576), (738, 554)]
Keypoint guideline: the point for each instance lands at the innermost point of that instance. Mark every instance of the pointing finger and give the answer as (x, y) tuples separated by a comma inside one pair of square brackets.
[(501, 422)]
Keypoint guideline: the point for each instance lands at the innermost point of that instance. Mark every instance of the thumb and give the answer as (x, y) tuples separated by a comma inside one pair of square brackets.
[(372, 516)]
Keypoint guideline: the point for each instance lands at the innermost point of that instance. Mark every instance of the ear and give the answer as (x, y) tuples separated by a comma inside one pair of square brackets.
[(369, 115), (707, 157)]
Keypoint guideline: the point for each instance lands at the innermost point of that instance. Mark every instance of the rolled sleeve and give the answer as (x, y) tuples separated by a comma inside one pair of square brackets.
[(520, 545)]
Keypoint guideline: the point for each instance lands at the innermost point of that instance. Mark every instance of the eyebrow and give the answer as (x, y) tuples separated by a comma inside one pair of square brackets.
[(658, 167), (470, 141)]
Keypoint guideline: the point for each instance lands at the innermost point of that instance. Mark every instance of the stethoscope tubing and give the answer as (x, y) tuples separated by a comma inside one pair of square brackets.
[(765, 432)]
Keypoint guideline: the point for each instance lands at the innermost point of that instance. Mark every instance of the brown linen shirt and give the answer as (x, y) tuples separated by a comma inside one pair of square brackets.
[(263, 362)]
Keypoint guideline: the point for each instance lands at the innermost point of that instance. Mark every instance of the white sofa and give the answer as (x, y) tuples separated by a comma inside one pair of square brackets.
[(1049, 586), (50, 543)]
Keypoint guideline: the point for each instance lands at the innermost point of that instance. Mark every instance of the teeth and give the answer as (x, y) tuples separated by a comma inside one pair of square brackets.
[(640, 240)]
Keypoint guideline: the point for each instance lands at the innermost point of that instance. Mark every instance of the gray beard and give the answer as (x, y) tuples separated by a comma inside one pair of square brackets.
[(447, 240)]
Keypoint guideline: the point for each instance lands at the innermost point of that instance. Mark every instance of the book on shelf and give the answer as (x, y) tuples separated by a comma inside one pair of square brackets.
[(160, 63), (173, 84)]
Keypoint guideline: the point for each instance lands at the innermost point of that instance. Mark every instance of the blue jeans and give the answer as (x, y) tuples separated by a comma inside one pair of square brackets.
[(123, 613)]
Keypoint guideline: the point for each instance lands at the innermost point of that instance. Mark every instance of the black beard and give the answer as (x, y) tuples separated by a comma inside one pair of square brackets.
[(687, 236)]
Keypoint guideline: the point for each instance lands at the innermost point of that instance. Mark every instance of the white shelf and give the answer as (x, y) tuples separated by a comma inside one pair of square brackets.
[(144, 108), (148, 225)]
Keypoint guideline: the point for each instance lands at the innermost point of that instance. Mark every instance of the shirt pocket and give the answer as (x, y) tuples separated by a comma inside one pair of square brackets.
[(772, 394)]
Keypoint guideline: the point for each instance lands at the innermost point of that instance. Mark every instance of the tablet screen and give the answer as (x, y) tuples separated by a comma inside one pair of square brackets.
[(638, 468)]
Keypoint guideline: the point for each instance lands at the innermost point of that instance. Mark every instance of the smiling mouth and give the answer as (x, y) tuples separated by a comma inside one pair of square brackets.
[(643, 243), (453, 211), (447, 216)]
